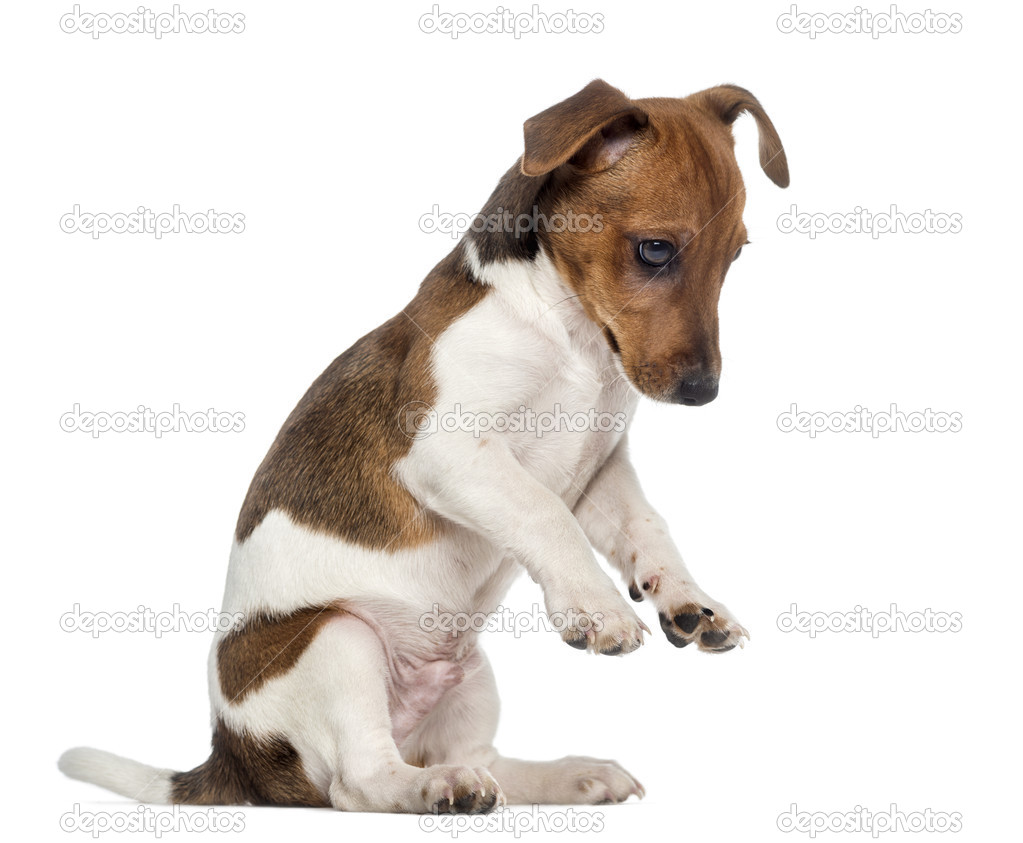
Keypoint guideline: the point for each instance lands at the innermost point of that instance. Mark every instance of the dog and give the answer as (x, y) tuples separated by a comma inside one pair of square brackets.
[(368, 512)]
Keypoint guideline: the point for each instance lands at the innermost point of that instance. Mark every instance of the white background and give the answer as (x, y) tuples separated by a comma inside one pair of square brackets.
[(333, 128)]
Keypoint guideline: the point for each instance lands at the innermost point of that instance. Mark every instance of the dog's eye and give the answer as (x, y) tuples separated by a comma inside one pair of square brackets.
[(656, 252), (735, 257)]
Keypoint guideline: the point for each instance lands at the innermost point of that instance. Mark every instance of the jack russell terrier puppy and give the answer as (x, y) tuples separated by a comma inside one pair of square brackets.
[(360, 521)]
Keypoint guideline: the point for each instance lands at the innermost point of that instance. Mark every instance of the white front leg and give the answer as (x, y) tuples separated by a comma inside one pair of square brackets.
[(479, 484), (625, 528)]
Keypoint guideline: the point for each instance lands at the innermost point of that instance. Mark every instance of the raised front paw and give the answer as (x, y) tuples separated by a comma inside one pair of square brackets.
[(687, 614), (713, 630), (612, 630)]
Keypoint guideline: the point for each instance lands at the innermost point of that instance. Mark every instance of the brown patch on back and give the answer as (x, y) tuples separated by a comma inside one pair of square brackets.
[(330, 466), (265, 648), (246, 770)]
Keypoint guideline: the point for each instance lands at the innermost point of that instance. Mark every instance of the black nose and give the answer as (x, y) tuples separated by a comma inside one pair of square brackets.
[(694, 391)]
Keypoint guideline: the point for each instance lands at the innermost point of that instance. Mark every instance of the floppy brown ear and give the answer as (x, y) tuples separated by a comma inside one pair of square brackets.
[(729, 101), (592, 129)]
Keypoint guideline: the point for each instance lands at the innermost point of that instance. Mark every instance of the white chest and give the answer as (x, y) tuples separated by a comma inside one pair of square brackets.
[(528, 366)]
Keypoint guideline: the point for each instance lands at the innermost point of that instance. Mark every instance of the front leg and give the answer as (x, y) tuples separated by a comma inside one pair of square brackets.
[(622, 525), (480, 485)]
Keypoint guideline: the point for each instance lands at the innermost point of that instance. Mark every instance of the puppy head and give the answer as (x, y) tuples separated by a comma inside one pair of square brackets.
[(660, 184)]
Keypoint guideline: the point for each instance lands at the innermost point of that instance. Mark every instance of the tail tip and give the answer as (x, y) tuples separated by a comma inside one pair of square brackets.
[(74, 762), (139, 782)]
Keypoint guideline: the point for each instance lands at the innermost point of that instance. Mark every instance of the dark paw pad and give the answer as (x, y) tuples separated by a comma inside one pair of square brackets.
[(712, 638), (671, 634), (579, 643), (692, 622), (465, 803), (687, 622)]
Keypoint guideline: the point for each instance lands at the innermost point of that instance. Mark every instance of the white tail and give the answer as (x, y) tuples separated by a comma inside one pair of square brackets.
[(121, 775)]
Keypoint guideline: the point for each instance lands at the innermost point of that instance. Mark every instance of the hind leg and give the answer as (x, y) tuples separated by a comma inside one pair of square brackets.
[(333, 706), (460, 730)]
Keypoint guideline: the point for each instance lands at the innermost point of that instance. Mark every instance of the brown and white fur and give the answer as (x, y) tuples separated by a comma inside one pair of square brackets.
[(332, 692)]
